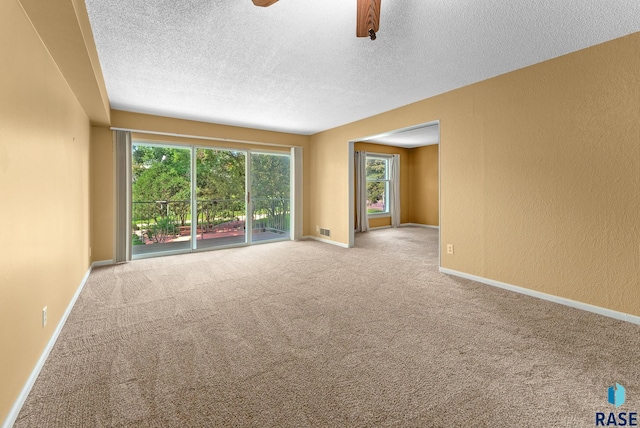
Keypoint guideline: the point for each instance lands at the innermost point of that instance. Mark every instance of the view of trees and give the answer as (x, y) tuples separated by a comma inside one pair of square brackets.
[(270, 185), (161, 190), (376, 183), (220, 186)]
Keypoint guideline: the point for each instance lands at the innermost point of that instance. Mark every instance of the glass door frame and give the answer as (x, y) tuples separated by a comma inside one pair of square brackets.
[(194, 200), (248, 192), (288, 154), (142, 142)]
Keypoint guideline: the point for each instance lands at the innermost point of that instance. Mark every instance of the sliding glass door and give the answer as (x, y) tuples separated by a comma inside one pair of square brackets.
[(270, 196), (161, 199), (220, 198), (196, 198)]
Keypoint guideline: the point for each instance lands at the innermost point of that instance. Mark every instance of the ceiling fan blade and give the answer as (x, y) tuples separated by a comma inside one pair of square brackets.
[(368, 19), (264, 3)]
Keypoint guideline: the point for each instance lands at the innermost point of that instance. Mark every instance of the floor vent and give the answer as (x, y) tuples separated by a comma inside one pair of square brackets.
[(325, 232)]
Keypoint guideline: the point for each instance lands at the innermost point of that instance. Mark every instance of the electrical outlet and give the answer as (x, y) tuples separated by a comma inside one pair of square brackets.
[(44, 317), (317, 228), (449, 248)]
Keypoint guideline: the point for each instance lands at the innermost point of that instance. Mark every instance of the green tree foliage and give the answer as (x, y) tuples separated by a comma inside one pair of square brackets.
[(270, 183), (376, 170), (220, 183), (161, 177), (220, 174), (161, 188)]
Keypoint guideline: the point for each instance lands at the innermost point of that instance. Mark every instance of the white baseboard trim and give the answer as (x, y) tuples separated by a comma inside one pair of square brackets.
[(102, 263), (427, 226), (549, 297), (22, 397), (326, 241)]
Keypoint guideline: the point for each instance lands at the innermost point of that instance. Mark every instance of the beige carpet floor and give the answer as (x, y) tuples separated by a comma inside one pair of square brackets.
[(296, 334)]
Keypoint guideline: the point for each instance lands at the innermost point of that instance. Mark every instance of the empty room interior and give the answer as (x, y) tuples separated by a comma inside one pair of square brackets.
[(336, 213)]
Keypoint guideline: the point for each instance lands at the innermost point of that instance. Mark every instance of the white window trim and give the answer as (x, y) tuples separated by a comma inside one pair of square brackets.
[(388, 158)]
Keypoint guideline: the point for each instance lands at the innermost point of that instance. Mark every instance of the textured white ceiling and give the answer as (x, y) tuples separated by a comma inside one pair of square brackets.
[(297, 66), (424, 135)]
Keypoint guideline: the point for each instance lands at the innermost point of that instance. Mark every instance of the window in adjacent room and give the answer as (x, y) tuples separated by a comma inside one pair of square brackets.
[(378, 185)]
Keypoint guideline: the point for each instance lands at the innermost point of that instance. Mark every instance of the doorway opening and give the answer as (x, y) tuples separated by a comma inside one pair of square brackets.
[(417, 148)]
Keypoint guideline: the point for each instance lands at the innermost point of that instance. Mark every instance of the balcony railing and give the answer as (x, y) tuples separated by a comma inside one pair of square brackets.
[(167, 221), (271, 215)]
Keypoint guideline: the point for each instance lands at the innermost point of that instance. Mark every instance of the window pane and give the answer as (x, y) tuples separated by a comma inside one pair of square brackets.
[(220, 196), (270, 187), (161, 199), (377, 197), (376, 168)]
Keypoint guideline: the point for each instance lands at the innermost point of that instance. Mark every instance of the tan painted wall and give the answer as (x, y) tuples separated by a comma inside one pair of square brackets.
[(405, 181), (144, 122), (329, 185), (540, 171), (102, 196), (64, 28), (44, 189), (423, 176)]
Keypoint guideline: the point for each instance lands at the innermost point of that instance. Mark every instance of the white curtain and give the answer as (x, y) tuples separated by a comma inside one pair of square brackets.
[(122, 250), (394, 191), (362, 222)]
